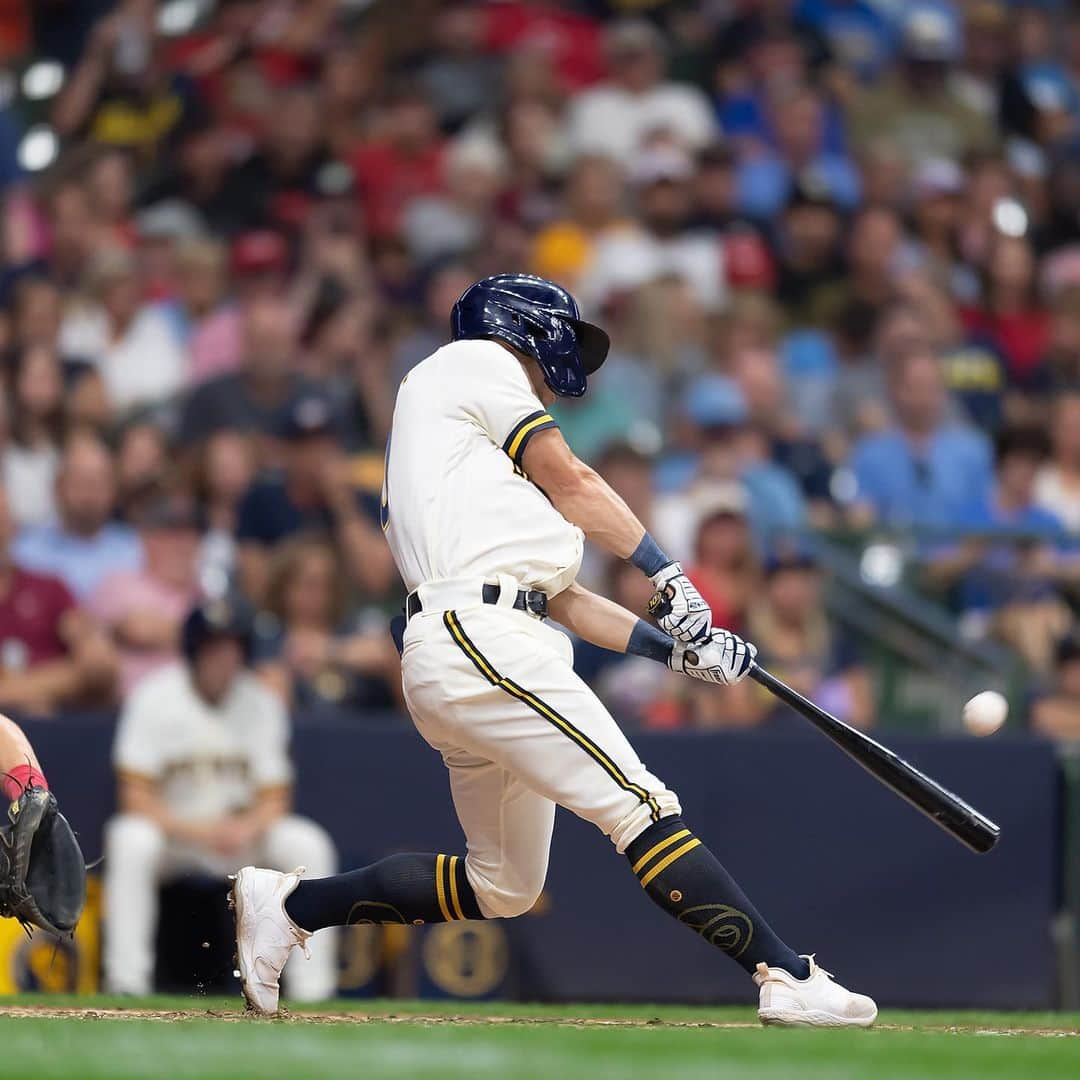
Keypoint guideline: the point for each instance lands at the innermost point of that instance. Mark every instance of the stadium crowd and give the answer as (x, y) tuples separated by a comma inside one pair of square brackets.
[(836, 243)]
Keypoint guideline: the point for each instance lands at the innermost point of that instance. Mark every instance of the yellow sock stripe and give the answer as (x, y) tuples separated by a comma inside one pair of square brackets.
[(667, 860), (457, 631), (454, 900), (657, 848), (532, 425), (440, 888)]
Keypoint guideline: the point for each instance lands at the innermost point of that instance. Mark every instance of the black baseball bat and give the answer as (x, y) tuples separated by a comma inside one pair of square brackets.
[(941, 806)]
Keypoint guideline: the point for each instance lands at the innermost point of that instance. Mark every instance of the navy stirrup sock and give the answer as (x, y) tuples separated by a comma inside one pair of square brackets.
[(409, 888), (681, 875)]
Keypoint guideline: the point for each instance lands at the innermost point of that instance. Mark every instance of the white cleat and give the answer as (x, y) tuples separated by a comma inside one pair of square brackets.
[(815, 1001), (265, 935)]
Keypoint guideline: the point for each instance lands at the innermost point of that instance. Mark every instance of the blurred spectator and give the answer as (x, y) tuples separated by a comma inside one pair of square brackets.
[(1057, 487), (276, 185), (723, 566), (1009, 317), (916, 108), (726, 452), (1005, 571), (133, 344), (402, 162), (312, 491), (564, 249), (143, 463), (796, 121), (249, 399), (84, 546), (314, 652), (1057, 712), (35, 428), (143, 609), (205, 784), (923, 471), (223, 472), (797, 642), (666, 245), (208, 326), (51, 653), (616, 117), (120, 92)]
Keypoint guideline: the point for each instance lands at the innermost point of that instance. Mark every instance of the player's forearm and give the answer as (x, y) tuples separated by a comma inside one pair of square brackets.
[(587, 500), (607, 624)]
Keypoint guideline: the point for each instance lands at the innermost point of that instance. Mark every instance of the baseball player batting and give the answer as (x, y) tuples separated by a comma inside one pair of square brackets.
[(485, 509)]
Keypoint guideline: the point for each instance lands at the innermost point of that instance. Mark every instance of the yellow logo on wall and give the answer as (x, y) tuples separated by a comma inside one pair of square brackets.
[(53, 965), (466, 959)]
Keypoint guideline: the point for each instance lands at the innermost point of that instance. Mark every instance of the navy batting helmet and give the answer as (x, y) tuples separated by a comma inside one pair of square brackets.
[(215, 619), (538, 318)]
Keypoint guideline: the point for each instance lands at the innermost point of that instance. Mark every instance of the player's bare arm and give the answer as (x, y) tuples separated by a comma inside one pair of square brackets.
[(584, 497), (722, 657)]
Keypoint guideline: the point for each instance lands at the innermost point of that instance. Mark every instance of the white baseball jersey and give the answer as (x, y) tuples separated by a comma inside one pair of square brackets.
[(209, 760), (456, 503)]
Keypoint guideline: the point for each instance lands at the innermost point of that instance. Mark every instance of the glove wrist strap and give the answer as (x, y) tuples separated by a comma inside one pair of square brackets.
[(648, 557)]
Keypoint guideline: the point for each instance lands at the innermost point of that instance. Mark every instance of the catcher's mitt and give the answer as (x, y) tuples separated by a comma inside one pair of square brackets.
[(42, 873)]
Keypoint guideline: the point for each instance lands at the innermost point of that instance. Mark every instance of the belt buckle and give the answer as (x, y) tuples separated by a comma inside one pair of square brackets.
[(536, 603)]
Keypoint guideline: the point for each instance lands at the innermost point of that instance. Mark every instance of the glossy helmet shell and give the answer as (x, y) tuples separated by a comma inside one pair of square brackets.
[(538, 318)]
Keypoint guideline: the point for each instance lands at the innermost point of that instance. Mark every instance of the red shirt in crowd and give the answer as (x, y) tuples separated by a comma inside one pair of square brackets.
[(388, 178), (1021, 338), (573, 42), (30, 616)]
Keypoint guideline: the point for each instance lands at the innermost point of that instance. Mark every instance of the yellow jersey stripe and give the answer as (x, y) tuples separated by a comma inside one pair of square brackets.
[(667, 860), (440, 888), (455, 901), (674, 838), (523, 433)]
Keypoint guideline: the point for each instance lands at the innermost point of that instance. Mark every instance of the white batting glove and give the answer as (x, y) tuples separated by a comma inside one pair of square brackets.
[(677, 606), (723, 658)]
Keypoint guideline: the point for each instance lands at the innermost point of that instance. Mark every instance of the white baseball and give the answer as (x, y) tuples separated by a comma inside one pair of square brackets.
[(985, 713)]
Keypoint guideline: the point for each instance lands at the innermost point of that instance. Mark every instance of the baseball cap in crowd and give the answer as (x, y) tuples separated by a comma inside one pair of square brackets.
[(714, 401), (660, 164), (793, 553), (170, 219), (260, 251), (937, 176), (930, 33), (311, 412), (168, 512), (628, 37)]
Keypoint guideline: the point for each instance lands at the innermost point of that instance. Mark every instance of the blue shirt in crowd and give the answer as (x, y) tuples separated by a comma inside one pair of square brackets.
[(929, 486), (80, 562)]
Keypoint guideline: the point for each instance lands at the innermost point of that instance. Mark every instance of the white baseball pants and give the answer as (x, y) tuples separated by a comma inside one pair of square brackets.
[(494, 691)]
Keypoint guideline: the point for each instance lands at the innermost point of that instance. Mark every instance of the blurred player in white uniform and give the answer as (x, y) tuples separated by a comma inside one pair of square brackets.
[(205, 784), (485, 509)]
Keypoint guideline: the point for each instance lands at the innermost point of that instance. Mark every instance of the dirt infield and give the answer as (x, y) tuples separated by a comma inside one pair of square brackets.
[(16, 1012), (47, 1012)]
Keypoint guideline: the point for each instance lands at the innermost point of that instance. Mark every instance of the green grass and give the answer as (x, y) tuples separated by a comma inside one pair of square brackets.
[(418, 1040)]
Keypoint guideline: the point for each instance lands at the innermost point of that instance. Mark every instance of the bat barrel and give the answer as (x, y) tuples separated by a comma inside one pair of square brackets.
[(940, 805)]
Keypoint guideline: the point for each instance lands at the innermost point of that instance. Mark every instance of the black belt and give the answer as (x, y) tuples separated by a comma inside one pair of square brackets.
[(528, 600)]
